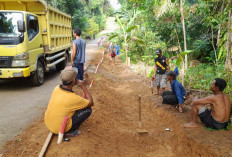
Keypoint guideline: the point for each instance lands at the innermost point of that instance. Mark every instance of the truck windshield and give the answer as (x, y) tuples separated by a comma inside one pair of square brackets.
[(8, 24)]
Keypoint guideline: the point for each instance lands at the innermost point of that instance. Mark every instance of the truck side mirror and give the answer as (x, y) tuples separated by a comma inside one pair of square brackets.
[(21, 26)]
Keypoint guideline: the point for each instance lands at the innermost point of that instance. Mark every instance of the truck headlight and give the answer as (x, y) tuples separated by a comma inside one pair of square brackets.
[(21, 60)]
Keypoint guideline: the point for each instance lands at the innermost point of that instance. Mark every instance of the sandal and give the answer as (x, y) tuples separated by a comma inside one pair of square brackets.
[(73, 133)]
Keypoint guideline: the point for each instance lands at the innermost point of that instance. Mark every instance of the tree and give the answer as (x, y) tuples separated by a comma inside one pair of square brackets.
[(93, 27), (126, 28), (184, 34), (228, 56)]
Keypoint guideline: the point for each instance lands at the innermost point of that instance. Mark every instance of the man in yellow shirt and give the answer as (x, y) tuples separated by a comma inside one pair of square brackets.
[(65, 102)]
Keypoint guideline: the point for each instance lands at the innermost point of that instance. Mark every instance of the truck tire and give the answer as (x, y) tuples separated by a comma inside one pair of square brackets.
[(62, 64), (37, 78)]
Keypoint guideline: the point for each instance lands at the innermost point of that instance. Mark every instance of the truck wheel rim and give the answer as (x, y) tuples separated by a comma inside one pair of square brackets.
[(40, 73)]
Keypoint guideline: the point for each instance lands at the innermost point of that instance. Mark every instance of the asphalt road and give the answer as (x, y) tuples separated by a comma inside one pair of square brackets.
[(21, 104)]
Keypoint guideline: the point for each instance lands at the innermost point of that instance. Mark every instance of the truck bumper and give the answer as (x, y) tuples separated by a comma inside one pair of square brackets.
[(13, 73)]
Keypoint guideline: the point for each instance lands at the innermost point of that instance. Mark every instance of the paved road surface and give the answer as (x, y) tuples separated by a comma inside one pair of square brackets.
[(21, 104)]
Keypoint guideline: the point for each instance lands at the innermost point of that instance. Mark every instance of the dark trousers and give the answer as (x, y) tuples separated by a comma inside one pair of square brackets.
[(169, 98), (79, 117), (80, 67)]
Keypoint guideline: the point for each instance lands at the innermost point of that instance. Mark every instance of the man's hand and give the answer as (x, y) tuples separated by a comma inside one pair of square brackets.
[(81, 83), (153, 77), (72, 63)]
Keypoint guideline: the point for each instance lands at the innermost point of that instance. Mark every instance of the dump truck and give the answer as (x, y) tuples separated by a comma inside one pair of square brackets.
[(33, 38)]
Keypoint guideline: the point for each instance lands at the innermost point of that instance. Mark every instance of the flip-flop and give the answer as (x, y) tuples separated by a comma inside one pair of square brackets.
[(73, 133)]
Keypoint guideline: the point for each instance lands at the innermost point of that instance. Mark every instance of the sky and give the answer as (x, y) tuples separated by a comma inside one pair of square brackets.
[(115, 4)]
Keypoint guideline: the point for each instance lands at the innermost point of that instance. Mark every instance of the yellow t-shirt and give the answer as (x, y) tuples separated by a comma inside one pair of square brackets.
[(62, 103)]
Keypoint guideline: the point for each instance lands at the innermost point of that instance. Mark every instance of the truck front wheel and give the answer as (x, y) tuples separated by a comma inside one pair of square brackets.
[(37, 78)]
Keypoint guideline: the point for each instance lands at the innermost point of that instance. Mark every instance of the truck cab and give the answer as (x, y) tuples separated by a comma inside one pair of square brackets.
[(20, 43), (32, 42)]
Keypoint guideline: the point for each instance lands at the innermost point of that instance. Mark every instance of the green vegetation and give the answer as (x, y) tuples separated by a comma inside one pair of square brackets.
[(190, 30), (89, 16)]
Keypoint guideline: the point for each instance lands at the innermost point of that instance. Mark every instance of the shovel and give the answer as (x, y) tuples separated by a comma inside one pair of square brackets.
[(140, 130)]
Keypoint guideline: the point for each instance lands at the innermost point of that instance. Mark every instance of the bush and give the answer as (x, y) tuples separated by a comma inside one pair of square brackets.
[(202, 75), (123, 57)]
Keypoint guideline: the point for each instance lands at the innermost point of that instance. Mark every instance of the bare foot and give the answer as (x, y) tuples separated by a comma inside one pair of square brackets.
[(191, 125), (180, 109), (156, 94)]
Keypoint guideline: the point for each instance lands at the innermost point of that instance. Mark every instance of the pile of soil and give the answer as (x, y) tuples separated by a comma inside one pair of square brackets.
[(111, 130)]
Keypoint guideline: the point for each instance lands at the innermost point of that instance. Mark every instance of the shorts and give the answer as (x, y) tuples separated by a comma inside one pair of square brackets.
[(79, 117), (161, 80), (117, 53), (206, 118), (169, 98), (80, 67)]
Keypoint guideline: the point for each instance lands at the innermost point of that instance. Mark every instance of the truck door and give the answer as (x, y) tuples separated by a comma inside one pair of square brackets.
[(34, 36)]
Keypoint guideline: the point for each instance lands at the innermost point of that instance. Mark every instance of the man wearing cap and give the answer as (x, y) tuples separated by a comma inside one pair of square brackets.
[(161, 67), (177, 95), (65, 102)]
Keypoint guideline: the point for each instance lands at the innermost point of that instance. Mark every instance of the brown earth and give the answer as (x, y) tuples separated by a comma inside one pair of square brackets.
[(111, 130)]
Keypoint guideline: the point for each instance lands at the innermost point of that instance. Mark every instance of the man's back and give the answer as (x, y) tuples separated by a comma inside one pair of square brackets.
[(117, 48), (80, 50), (221, 107), (62, 103)]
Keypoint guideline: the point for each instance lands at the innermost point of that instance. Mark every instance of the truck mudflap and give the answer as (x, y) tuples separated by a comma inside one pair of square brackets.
[(14, 73)]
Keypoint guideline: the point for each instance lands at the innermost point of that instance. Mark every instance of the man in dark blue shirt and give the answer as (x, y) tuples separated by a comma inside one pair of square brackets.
[(177, 95)]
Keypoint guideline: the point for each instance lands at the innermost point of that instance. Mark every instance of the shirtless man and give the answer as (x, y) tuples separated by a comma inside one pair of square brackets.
[(219, 115)]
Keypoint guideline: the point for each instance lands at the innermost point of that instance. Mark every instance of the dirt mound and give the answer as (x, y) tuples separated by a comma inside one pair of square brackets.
[(111, 129)]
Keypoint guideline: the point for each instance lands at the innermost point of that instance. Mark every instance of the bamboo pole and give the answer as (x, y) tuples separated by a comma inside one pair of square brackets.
[(41, 154)]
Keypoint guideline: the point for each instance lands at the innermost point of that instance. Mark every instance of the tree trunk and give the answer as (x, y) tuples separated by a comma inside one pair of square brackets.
[(228, 56), (212, 42), (218, 36), (219, 27), (185, 42), (184, 31), (126, 52)]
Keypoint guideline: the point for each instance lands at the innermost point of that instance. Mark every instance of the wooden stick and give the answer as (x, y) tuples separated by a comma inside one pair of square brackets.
[(140, 122), (151, 85), (41, 154), (62, 129), (140, 130)]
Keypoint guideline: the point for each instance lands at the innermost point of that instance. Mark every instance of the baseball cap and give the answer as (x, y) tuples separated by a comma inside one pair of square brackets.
[(158, 51), (172, 74), (68, 75)]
